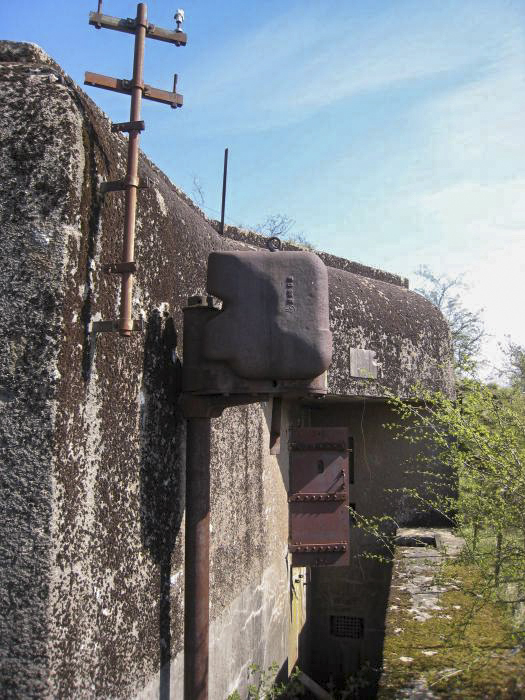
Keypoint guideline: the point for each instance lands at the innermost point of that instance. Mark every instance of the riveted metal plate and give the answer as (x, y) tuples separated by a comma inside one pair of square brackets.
[(318, 497), (333, 547)]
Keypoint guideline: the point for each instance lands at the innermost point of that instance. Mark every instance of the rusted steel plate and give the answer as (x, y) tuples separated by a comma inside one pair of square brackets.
[(332, 547), (318, 497), (339, 496)]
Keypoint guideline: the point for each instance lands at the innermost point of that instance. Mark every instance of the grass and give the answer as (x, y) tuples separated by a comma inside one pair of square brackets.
[(467, 649)]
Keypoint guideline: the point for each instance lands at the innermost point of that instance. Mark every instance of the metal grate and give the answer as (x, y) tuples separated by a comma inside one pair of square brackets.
[(346, 626)]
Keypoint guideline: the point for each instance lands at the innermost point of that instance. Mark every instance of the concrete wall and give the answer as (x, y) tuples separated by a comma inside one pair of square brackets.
[(382, 463), (93, 442), (92, 439)]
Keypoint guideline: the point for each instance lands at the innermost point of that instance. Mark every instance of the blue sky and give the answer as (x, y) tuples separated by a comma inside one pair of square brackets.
[(392, 132)]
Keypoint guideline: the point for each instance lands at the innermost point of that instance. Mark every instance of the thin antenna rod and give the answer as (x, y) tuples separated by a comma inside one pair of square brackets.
[(224, 176)]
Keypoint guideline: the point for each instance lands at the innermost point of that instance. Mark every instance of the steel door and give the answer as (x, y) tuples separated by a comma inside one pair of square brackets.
[(319, 518)]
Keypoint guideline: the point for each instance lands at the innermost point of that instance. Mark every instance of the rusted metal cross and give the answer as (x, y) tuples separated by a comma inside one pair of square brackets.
[(135, 87)]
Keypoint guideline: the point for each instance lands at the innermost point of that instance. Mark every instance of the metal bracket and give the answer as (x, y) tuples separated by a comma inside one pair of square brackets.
[(330, 547), (213, 406), (128, 126), (201, 300), (128, 25), (121, 268), (317, 447), (298, 497), (120, 185), (113, 326), (125, 86), (275, 427)]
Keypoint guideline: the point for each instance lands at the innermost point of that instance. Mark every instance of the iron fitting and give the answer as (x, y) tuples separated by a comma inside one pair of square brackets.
[(132, 181), (125, 326)]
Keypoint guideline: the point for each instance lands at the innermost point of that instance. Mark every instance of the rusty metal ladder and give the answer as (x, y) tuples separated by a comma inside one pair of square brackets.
[(137, 89)]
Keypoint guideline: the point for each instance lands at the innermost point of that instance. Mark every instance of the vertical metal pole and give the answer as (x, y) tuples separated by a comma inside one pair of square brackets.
[(197, 557), (224, 176), (132, 180)]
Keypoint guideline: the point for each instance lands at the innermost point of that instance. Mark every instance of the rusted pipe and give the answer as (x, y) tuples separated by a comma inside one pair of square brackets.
[(132, 180), (197, 553)]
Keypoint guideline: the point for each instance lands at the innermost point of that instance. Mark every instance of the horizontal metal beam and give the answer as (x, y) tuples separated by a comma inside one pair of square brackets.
[(128, 26), (165, 96), (325, 547), (317, 497), (128, 126), (124, 86), (122, 268), (112, 326), (121, 185)]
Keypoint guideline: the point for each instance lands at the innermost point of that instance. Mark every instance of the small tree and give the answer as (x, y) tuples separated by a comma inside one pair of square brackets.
[(198, 190), (480, 441), (281, 226), (514, 370), (278, 225), (466, 327)]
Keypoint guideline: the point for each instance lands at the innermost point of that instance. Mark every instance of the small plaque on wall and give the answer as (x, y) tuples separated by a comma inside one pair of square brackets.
[(363, 364)]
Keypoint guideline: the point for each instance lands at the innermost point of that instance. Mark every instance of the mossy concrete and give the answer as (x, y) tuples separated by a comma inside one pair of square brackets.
[(443, 638), (92, 436)]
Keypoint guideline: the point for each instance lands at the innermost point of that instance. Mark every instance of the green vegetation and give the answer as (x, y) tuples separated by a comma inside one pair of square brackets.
[(474, 475), (466, 327), (472, 469), (466, 650), (264, 687)]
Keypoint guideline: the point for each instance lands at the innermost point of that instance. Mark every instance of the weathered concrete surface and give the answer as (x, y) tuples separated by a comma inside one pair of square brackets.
[(92, 437), (408, 335), (42, 194), (414, 574)]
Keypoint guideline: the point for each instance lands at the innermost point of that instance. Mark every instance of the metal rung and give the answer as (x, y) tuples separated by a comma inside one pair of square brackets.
[(121, 268), (119, 185), (128, 126), (99, 20), (124, 86), (113, 326)]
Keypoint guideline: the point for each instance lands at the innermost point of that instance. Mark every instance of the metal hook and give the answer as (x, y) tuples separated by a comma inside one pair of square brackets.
[(274, 244)]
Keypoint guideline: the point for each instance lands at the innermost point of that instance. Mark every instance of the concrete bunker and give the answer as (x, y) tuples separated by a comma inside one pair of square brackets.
[(94, 439)]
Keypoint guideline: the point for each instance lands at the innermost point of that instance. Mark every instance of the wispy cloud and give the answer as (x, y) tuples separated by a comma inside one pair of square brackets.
[(295, 64), (478, 128)]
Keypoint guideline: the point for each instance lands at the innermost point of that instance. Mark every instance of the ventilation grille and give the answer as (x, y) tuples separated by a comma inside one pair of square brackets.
[(345, 626)]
